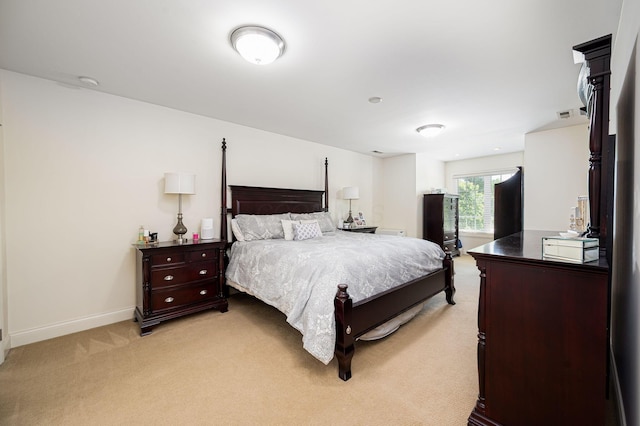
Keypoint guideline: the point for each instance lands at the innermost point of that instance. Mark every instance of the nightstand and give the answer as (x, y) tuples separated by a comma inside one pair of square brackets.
[(364, 229), (173, 280)]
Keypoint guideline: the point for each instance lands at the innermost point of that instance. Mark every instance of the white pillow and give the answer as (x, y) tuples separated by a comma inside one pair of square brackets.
[(236, 230), (287, 227), (306, 231)]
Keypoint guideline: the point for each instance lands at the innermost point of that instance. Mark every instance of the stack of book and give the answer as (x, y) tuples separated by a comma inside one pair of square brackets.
[(574, 249)]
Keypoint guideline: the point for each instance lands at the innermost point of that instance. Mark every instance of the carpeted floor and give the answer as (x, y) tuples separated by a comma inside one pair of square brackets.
[(247, 366)]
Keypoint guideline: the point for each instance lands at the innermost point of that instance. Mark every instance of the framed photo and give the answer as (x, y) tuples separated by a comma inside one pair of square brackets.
[(359, 220)]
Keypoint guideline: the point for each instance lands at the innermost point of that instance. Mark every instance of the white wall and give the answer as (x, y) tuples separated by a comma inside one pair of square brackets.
[(429, 176), (556, 168), (83, 170), (399, 197)]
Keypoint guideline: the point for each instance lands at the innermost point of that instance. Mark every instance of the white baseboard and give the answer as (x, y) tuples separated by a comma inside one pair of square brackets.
[(38, 334)]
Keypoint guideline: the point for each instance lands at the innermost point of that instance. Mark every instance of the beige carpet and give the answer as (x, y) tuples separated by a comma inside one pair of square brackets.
[(247, 366)]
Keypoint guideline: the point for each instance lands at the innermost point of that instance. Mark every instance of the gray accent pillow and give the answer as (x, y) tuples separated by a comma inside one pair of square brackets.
[(323, 218), (261, 227)]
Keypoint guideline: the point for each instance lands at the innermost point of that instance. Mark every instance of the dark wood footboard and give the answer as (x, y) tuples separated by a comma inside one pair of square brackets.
[(355, 319)]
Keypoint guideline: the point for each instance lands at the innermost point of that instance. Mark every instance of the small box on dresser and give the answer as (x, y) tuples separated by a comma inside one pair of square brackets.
[(173, 280)]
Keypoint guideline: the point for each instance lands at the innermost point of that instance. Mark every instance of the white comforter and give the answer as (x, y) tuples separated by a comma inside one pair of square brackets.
[(300, 278)]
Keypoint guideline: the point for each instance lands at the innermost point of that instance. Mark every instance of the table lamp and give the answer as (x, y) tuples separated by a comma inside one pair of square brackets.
[(180, 183), (350, 193)]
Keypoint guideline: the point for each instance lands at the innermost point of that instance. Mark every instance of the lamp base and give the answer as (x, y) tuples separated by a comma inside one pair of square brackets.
[(349, 222), (180, 229)]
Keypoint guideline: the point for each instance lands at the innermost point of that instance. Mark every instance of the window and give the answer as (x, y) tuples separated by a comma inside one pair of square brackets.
[(475, 205)]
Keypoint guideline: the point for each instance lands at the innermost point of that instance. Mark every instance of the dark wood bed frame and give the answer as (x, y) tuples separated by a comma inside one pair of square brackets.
[(353, 319)]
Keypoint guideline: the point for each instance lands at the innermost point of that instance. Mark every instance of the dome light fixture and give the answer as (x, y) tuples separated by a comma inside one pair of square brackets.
[(258, 45), (430, 130)]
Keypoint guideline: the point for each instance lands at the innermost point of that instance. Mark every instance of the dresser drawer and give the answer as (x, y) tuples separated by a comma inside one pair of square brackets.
[(178, 297)]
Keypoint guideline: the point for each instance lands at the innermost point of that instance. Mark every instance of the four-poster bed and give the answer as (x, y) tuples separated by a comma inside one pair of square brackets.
[(353, 317)]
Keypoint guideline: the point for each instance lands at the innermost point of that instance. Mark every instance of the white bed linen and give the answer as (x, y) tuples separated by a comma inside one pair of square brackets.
[(300, 278)]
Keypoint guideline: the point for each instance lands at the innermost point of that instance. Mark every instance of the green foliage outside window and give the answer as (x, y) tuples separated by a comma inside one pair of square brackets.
[(475, 203)]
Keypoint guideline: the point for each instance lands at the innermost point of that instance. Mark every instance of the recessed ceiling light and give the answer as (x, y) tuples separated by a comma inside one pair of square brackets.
[(375, 99), (88, 81), (430, 130), (257, 45)]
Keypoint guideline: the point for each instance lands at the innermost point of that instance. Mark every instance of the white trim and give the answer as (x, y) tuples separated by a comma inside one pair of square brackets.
[(38, 334), (487, 172)]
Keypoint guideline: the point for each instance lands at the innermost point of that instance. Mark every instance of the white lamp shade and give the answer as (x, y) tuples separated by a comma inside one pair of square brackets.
[(179, 183), (350, 193)]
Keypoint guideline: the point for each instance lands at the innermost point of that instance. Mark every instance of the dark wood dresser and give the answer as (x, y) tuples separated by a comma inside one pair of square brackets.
[(440, 221), (178, 279), (543, 336)]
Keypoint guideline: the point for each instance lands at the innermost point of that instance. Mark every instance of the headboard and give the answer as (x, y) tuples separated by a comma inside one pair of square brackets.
[(259, 200), (262, 200)]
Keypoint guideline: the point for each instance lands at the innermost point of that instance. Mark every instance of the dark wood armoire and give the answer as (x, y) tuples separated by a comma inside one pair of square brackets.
[(440, 221)]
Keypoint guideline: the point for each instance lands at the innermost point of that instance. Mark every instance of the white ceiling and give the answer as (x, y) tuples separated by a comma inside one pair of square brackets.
[(491, 71)]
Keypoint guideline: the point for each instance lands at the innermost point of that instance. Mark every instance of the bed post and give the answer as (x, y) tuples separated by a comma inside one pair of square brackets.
[(223, 193), (326, 184), (344, 337), (449, 272)]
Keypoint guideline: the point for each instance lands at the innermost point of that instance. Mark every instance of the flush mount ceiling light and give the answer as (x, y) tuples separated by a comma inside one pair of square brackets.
[(257, 45), (430, 130)]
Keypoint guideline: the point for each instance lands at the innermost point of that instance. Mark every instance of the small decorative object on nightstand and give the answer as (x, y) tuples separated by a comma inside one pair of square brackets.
[(176, 279)]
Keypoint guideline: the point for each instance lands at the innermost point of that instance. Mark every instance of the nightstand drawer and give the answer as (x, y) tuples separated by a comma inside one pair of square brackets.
[(167, 259), (170, 276), (203, 270), (197, 255), (180, 296)]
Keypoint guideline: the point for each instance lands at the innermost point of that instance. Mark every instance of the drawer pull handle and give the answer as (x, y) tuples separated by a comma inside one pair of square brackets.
[(169, 299), (203, 292), (168, 259), (203, 272), (168, 278), (204, 254)]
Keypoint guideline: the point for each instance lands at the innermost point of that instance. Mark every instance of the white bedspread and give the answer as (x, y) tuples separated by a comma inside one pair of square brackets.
[(300, 278)]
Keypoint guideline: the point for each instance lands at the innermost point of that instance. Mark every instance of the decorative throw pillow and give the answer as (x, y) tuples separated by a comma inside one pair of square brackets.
[(261, 227), (306, 231), (323, 218)]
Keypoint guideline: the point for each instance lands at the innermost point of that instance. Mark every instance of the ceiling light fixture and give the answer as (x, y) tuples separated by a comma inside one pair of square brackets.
[(430, 130), (257, 45)]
